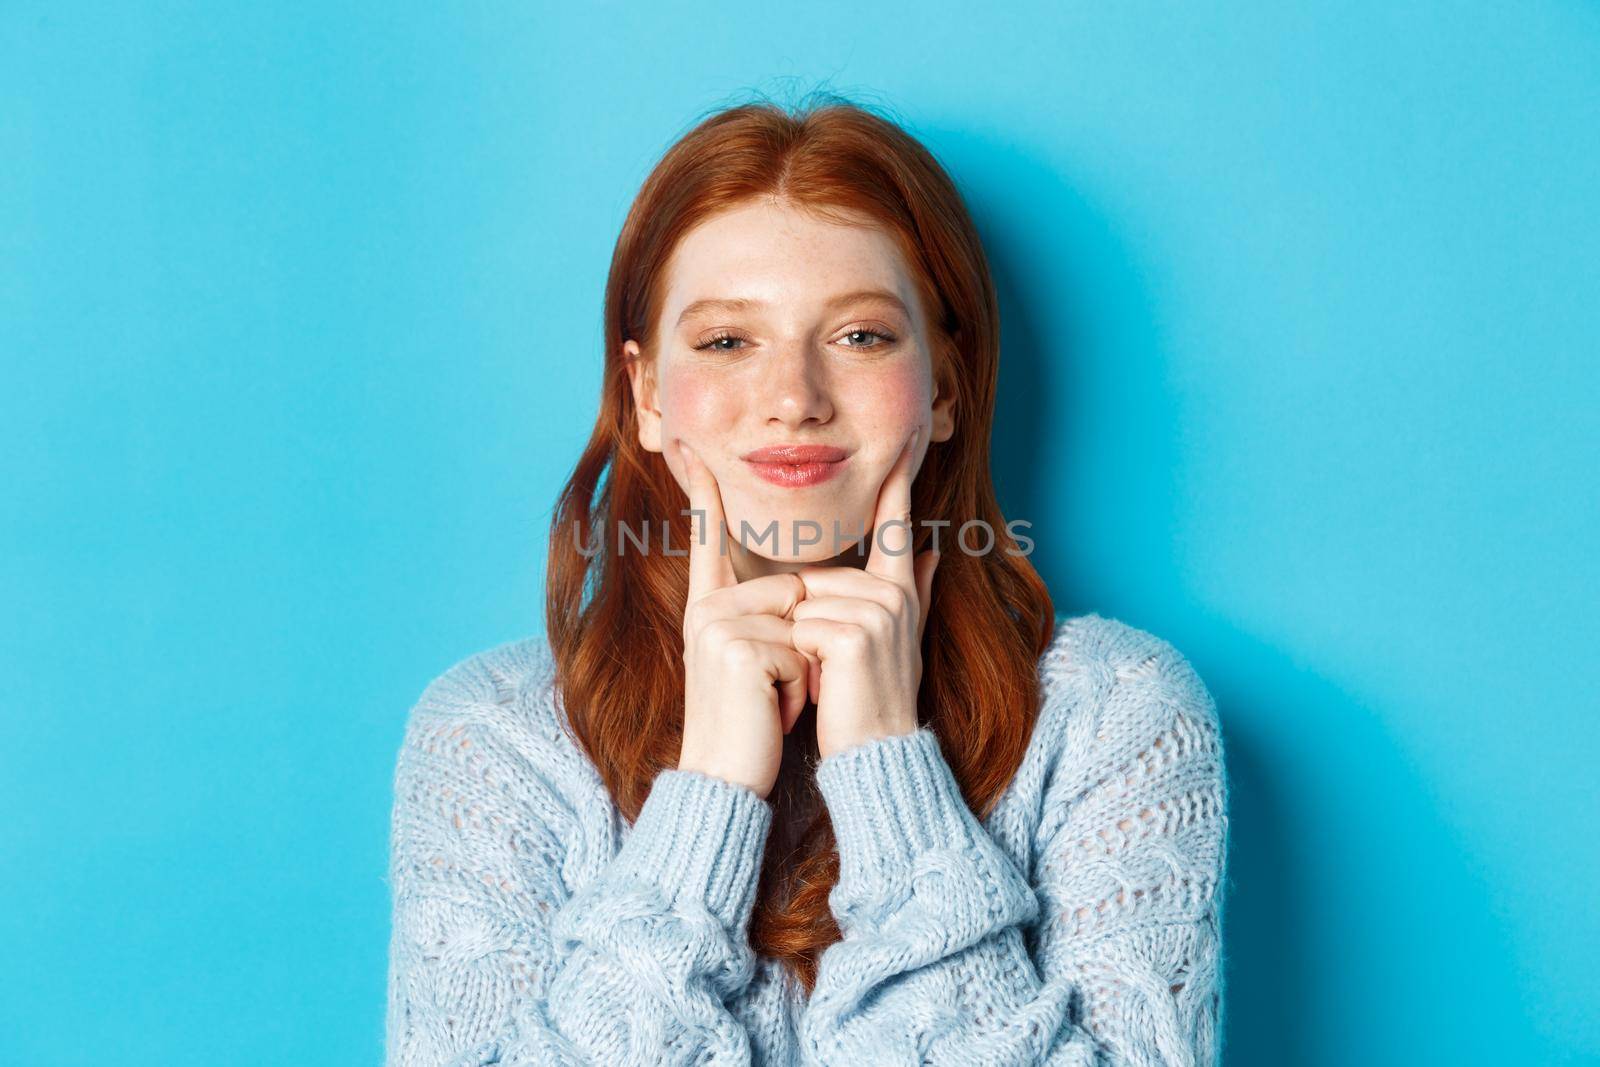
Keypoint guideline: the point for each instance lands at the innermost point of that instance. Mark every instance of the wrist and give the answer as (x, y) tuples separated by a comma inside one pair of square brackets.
[(699, 839)]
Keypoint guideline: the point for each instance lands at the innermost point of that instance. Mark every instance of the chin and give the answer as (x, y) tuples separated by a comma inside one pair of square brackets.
[(809, 554), (792, 527)]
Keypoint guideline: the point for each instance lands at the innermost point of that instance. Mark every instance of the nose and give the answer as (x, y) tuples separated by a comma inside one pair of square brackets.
[(793, 387)]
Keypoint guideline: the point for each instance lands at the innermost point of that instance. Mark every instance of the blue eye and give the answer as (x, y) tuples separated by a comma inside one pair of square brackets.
[(879, 334), (714, 343)]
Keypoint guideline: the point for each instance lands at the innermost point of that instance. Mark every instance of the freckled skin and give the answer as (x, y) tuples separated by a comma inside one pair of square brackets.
[(790, 371)]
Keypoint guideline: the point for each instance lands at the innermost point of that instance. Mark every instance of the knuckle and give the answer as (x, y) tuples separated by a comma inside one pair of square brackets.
[(852, 640), (716, 634), (741, 653)]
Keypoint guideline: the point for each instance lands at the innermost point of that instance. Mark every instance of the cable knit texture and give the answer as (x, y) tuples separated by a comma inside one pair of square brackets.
[(1079, 923)]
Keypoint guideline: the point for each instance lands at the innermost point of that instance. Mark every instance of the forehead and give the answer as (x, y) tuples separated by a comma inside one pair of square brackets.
[(779, 254)]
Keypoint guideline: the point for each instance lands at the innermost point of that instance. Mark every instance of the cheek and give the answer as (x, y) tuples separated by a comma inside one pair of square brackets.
[(894, 399), (695, 408)]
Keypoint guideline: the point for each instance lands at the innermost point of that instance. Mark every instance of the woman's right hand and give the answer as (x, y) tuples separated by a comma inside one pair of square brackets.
[(744, 682)]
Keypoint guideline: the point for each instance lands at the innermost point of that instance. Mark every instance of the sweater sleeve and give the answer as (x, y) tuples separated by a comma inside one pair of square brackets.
[(493, 962), (1105, 955)]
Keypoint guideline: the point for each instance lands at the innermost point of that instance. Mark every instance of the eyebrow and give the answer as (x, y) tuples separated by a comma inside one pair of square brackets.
[(743, 304)]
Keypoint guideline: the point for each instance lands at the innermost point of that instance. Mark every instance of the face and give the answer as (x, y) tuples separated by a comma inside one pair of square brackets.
[(781, 329)]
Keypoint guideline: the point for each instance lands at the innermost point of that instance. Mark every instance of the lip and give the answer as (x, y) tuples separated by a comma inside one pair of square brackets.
[(796, 454), (796, 466)]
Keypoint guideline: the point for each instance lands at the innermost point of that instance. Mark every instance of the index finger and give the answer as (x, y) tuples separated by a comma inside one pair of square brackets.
[(890, 556), (709, 566)]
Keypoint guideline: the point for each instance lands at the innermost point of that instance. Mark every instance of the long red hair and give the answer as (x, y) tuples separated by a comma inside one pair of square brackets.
[(614, 617)]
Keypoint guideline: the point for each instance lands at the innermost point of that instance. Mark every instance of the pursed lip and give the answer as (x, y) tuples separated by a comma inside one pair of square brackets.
[(796, 454)]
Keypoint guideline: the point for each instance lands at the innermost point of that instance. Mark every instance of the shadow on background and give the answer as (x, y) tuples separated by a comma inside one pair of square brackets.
[(1290, 841)]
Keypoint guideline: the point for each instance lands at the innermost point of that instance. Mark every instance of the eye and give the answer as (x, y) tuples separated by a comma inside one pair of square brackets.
[(883, 336), (725, 341), (714, 342)]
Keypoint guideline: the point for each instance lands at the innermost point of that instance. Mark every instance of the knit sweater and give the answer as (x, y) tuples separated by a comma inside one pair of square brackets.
[(1079, 923)]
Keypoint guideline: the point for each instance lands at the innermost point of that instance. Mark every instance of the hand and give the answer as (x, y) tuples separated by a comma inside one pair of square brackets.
[(744, 681), (865, 628)]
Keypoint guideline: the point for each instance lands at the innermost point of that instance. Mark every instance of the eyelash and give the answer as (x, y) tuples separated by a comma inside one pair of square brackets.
[(724, 335)]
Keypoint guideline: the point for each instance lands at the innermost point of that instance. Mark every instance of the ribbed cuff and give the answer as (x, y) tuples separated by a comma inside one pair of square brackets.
[(699, 839), (890, 800)]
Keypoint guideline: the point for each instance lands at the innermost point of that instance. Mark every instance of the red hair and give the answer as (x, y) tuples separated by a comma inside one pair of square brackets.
[(615, 618)]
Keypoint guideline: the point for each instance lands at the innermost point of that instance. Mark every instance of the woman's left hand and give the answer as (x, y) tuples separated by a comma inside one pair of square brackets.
[(863, 628)]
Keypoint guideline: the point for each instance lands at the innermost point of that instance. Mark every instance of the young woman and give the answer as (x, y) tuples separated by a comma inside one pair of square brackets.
[(805, 769)]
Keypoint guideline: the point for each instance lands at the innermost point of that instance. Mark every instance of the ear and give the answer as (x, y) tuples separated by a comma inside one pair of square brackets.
[(642, 376), (944, 415)]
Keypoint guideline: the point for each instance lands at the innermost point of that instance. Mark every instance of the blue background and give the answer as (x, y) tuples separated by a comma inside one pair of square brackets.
[(300, 312)]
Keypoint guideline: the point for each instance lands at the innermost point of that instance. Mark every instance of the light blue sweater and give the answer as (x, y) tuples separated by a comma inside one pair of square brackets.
[(1080, 923)]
